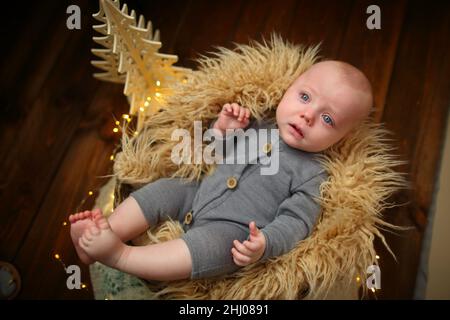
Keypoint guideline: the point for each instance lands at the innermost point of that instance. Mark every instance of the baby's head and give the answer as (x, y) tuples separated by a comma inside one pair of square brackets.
[(323, 105)]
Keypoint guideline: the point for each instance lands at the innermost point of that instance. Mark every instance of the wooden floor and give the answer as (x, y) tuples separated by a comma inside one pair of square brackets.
[(56, 120)]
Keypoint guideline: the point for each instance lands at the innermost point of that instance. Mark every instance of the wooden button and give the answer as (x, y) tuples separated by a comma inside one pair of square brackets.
[(231, 182), (188, 218), (267, 148)]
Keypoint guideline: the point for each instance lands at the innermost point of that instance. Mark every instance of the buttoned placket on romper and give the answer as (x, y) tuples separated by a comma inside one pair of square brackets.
[(232, 175)]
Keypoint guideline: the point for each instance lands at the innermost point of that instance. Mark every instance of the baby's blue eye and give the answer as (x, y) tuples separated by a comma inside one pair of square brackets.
[(328, 119), (304, 97)]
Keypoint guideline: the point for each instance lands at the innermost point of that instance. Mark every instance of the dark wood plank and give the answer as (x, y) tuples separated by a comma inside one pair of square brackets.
[(253, 19), (25, 76), (12, 25), (320, 21), (32, 160), (168, 17), (208, 24), (89, 152), (374, 51), (280, 17), (25, 29), (416, 111)]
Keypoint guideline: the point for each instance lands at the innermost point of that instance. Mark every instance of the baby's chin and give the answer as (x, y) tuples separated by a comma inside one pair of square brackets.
[(291, 141)]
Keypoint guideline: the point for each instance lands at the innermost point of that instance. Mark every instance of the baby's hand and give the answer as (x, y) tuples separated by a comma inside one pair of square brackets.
[(251, 250), (232, 116)]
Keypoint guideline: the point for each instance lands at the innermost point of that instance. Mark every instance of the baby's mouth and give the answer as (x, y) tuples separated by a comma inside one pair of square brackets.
[(297, 129)]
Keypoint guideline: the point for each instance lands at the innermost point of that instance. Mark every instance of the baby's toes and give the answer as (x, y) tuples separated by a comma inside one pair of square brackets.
[(86, 214), (96, 214)]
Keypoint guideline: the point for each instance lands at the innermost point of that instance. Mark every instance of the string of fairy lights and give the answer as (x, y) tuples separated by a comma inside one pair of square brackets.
[(118, 127)]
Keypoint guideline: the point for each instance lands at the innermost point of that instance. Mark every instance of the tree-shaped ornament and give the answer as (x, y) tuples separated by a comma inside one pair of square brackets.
[(130, 55)]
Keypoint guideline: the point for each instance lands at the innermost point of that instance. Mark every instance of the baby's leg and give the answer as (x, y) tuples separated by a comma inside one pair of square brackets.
[(127, 221), (151, 204), (210, 248), (164, 261), (147, 206)]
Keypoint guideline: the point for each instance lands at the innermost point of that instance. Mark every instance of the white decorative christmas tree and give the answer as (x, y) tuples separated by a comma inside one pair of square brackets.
[(130, 56)]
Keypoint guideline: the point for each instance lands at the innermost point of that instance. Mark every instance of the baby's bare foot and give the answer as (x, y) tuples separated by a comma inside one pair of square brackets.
[(79, 222), (101, 243)]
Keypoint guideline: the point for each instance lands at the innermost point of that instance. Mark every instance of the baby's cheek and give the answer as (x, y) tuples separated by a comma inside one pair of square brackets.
[(330, 141), (316, 145)]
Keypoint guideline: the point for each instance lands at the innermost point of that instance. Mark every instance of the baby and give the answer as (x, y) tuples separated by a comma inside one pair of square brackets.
[(236, 216)]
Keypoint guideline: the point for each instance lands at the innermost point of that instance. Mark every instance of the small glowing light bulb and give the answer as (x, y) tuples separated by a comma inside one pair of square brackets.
[(142, 109), (358, 279), (158, 83), (115, 130), (117, 123), (111, 158), (158, 94), (64, 223), (377, 257), (91, 193), (136, 133), (146, 104), (125, 116), (149, 98), (57, 256), (373, 289)]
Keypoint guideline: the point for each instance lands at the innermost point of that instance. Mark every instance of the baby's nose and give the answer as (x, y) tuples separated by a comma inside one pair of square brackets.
[(308, 118)]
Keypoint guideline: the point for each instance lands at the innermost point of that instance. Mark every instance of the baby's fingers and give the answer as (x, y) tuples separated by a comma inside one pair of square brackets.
[(247, 113), (241, 248), (227, 108), (252, 246), (236, 109), (241, 114), (239, 258)]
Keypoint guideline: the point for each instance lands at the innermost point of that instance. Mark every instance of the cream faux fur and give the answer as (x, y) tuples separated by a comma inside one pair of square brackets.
[(361, 169)]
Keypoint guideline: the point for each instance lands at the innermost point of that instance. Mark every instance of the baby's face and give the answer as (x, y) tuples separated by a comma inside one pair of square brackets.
[(321, 107)]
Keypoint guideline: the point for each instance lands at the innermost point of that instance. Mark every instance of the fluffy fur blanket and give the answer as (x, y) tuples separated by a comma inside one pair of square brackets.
[(361, 168)]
